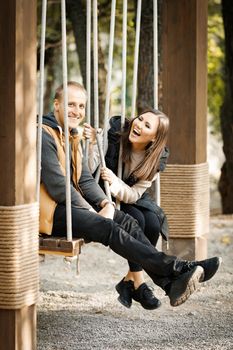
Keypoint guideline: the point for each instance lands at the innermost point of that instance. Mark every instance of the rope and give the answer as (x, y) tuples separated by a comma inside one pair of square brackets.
[(108, 83), (95, 53), (88, 71), (41, 97), (155, 59), (19, 275), (102, 162), (109, 76), (67, 146), (136, 54), (123, 89), (185, 199), (88, 63)]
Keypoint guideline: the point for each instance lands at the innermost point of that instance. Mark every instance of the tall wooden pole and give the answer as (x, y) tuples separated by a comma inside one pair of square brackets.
[(18, 141), (184, 81)]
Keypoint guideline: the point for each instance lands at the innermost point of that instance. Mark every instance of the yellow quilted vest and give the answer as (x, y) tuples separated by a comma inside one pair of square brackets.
[(47, 204)]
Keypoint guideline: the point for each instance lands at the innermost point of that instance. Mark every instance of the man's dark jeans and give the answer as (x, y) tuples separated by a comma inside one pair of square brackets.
[(124, 236)]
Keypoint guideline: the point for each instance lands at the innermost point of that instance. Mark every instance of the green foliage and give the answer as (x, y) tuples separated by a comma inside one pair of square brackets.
[(215, 62)]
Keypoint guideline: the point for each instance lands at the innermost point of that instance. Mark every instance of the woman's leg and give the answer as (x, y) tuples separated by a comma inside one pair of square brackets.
[(137, 215), (139, 290), (152, 225)]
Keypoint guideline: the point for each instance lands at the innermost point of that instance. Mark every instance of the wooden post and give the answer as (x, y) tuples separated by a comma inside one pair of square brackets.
[(184, 81), (18, 141)]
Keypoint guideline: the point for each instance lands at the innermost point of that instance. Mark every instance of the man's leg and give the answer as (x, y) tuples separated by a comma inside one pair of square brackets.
[(124, 237), (127, 240)]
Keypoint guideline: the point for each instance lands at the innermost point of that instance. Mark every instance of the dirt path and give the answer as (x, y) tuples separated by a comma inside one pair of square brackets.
[(83, 312)]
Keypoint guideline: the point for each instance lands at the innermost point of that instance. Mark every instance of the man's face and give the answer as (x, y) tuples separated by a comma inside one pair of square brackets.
[(76, 107)]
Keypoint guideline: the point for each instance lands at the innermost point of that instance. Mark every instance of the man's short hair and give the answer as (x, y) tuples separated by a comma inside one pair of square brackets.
[(59, 90)]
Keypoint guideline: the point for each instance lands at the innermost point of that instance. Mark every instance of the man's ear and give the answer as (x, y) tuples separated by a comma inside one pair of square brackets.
[(56, 104)]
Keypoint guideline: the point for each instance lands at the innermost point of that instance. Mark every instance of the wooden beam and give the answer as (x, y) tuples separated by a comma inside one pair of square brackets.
[(18, 140), (18, 101), (184, 98), (17, 328), (184, 78)]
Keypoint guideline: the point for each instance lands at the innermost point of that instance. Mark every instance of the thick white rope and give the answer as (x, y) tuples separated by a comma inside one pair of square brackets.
[(95, 53), (65, 99), (88, 61), (102, 163), (136, 54), (88, 70), (123, 87), (156, 74), (155, 45), (108, 83), (41, 97), (109, 74)]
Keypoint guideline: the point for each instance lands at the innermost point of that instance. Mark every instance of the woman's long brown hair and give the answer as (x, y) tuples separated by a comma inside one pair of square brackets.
[(147, 169)]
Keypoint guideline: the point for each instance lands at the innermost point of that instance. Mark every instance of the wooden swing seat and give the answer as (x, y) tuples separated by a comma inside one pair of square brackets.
[(59, 246)]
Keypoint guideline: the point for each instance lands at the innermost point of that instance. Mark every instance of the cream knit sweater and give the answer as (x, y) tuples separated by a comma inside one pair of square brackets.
[(124, 193)]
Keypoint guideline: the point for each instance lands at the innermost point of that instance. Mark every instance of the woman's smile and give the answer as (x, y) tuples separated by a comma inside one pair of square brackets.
[(143, 130)]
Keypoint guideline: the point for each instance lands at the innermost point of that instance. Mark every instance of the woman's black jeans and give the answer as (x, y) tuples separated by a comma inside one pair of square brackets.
[(149, 223), (124, 236)]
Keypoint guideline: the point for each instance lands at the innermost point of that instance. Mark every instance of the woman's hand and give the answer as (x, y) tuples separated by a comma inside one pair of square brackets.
[(107, 175), (89, 133)]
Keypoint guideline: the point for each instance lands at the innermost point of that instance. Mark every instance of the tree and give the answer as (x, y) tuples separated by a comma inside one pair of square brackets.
[(226, 179), (146, 69), (146, 55)]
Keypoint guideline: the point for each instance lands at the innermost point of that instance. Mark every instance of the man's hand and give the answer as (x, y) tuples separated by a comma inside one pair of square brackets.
[(107, 175), (89, 133)]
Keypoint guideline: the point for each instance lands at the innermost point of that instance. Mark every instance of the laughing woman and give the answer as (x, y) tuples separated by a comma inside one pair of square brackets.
[(144, 155)]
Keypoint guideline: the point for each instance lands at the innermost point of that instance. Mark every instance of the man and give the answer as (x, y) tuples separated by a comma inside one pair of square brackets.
[(94, 217)]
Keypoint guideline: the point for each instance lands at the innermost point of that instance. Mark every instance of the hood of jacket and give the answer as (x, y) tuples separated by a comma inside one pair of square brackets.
[(51, 121)]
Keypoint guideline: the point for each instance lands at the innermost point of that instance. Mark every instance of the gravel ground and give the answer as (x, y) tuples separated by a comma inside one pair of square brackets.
[(82, 312)]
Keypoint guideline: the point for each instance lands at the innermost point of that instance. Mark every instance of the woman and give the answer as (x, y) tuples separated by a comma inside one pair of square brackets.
[(144, 155)]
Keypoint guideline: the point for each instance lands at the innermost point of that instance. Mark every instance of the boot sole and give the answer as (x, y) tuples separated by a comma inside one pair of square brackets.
[(151, 307), (123, 302), (192, 284)]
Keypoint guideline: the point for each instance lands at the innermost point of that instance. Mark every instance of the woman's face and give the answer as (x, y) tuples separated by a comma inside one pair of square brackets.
[(143, 130)]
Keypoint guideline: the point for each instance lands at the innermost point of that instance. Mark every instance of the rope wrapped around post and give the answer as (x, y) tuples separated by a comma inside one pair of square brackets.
[(185, 199), (19, 275)]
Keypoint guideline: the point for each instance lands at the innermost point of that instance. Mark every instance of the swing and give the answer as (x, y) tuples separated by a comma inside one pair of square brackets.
[(67, 246), (59, 246)]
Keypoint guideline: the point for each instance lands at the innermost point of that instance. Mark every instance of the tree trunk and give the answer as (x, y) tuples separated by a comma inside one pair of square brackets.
[(226, 115), (50, 73), (146, 54), (77, 15), (145, 68)]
